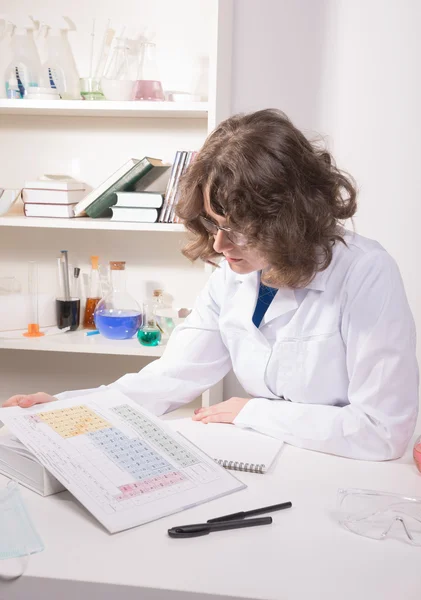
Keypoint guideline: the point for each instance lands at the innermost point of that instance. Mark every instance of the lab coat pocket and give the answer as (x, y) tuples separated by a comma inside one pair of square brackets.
[(312, 369)]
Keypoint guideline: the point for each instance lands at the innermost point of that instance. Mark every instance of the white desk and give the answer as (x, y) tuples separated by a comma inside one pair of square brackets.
[(303, 555)]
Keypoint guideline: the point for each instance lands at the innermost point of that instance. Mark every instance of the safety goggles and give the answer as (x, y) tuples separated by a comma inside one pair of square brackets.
[(379, 514), (236, 238)]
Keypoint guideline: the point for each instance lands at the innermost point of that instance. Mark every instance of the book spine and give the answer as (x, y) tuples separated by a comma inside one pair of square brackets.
[(175, 187), (177, 195), (102, 205), (170, 185), (260, 469)]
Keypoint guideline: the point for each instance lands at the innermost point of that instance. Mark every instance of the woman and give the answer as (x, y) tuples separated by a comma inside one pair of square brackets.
[(312, 318)]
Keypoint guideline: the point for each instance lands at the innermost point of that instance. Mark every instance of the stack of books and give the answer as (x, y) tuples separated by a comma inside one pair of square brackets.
[(18, 463), (52, 196), (152, 201), (148, 174)]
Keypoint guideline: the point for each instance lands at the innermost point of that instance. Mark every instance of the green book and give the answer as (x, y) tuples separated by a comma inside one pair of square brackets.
[(101, 206)]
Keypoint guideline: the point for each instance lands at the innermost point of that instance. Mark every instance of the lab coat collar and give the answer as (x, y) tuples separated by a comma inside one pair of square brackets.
[(246, 298), (283, 302)]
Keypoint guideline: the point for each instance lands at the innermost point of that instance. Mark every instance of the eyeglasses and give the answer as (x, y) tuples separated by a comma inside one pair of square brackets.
[(238, 239), (377, 514)]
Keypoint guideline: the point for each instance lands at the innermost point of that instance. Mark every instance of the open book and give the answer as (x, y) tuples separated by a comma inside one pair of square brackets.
[(123, 464), (230, 446)]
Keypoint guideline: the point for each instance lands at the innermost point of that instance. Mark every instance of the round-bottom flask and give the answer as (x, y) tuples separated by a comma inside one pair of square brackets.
[(118, 316)]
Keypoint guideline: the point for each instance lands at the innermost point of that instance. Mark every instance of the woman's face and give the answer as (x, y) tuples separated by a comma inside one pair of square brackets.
[(241, 259)]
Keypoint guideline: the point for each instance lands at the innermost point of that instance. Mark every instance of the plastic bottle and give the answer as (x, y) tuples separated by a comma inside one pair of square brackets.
[(24, 69), (94, 295), (59, 69), (6, 56)]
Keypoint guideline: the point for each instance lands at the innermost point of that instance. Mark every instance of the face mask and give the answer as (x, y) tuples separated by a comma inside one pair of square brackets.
[(18, 537)]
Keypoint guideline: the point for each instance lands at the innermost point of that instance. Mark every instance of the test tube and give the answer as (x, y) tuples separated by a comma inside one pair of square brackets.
[(33, 323)]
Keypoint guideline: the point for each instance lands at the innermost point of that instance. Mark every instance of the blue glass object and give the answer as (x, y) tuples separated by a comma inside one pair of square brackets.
[(118, 325), (118, 316)]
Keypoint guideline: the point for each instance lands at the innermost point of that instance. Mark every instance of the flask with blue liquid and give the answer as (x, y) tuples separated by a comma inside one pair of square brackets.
[(118, 316)]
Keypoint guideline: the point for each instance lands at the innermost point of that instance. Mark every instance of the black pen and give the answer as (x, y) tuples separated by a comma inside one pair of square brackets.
[(251, 513), (198, 529)]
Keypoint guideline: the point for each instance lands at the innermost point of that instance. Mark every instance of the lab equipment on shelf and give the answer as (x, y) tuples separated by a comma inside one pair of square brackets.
[(118, 316)]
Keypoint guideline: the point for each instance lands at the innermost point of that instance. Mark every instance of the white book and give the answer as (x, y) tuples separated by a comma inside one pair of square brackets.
[(139, 199), (50, 196), (230, 446), (55, 182), (21, 465), (122, 463), (134, 215), (103, 187), (64, 211)]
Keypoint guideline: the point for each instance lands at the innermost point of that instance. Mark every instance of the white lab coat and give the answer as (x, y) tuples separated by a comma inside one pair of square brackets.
[(332, 367)]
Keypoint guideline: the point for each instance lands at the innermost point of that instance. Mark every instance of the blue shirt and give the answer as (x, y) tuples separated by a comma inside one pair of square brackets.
[(264, 299)]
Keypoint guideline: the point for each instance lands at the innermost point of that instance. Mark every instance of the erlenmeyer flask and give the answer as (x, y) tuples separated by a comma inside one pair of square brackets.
[(116, 83), (119, 63), (148, 85)]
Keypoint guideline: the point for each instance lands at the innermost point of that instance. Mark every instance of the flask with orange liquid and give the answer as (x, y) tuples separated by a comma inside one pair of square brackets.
[(94, 294)]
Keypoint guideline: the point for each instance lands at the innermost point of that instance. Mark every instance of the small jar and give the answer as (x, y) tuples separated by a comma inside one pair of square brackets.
[(417, 453)]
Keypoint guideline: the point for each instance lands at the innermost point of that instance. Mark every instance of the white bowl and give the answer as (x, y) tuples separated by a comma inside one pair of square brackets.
[(117, 89)]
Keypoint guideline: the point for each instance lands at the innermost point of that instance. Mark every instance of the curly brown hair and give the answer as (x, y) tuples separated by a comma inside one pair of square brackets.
[(276, 187)]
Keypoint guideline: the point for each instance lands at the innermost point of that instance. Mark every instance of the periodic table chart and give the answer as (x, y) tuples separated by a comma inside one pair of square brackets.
[(126, 466)]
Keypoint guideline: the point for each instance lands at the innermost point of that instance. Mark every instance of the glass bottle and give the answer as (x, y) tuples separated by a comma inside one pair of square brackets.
[(149, 334), (94, 295), (417, 453), (118, 316), (148, 85), (165, 323)]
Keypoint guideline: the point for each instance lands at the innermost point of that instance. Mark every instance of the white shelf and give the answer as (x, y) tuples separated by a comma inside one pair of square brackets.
[(77, 341), (86, 223), (105, 108)]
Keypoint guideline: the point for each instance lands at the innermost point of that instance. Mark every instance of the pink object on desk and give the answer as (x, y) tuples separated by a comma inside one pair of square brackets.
[(417, 453)]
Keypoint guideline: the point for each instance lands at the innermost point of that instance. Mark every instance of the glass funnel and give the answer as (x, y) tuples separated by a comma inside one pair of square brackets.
[(118, 316)]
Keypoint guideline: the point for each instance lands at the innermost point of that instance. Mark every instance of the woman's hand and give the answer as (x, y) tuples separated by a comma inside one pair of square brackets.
[(27, 400), (223, 412)]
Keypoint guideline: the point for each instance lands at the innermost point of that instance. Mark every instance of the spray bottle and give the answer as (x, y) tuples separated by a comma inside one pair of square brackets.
[(6, 54), (22, 73), (59, 71)]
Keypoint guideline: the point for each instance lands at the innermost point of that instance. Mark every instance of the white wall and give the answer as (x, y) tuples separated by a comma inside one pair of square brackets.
[(349, 69)]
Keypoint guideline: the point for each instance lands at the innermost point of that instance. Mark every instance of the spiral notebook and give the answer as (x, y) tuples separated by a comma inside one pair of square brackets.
[(231, 447)]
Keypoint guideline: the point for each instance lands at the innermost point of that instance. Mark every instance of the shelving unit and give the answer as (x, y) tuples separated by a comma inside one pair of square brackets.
[(89, 140), (105, 108), (13, 220), (77, 341)]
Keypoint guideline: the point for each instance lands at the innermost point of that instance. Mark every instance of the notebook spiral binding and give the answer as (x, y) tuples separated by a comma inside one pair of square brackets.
[(240, 466)]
